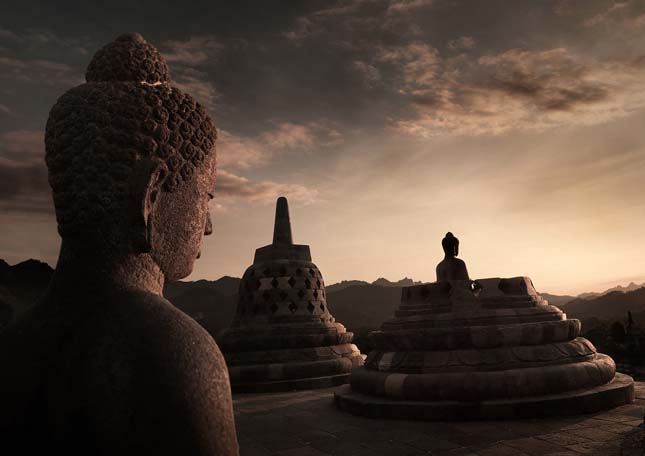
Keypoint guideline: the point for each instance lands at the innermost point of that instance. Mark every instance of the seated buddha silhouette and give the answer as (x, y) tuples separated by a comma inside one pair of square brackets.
[(103, 364), (451, 268)]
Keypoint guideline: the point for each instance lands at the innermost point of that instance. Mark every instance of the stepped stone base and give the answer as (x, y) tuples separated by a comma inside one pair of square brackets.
[(289, 376), (617, 392)]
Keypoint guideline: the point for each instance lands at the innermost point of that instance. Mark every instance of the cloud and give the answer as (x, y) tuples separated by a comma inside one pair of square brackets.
[(16, 179), (188, 59), (406, 6), (463, 42), (41, 57), (23, 174), (24, 188), (232, 188), (549, 80), (24, 146), (563, 8), (428, 92), (37, 39), (198, 84), (521, 89), (242, 152), (638, 21), (619, 16), (304, 28), (289, 136), (344, 8), (39, 71), (349, 21), (419, 62), (601, 17), (194, 51), (34, 63), (369, 74)]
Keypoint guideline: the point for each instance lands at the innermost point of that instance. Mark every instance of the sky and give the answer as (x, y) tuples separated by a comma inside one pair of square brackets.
[(517, 125)]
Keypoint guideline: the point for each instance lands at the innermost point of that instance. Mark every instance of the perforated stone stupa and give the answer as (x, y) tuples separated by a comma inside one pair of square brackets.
[(462, 349), (283, 336)]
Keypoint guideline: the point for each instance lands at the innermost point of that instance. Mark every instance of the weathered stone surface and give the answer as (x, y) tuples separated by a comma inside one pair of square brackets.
[(617, 392), (490, 384), (104, 364), (467, 360), (283, 335), (457, 344), (313, 427), (490, 336)]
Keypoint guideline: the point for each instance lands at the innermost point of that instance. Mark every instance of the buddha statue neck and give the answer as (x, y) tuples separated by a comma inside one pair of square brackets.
[(79, 270)]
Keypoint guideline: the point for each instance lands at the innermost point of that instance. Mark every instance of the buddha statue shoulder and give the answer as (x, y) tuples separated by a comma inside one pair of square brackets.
[(104, 364), (451, 267)]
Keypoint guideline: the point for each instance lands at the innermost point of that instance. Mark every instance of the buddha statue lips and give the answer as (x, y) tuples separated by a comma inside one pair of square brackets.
[(104, 364)]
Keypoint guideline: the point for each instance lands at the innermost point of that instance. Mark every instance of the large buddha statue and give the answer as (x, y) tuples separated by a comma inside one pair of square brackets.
[(451, 268), (104, 364)]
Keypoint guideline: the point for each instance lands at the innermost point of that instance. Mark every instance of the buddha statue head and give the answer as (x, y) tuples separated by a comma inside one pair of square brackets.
[(450, 245), (131, 161)]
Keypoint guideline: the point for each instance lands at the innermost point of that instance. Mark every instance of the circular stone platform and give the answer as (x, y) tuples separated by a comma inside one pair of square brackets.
[(617, 392), (490, 348)]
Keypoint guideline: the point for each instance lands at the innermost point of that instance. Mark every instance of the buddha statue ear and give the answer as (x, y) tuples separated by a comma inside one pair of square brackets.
[(151, 176)]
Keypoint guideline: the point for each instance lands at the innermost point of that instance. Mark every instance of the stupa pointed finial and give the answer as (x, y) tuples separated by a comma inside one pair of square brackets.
[(282, 227)]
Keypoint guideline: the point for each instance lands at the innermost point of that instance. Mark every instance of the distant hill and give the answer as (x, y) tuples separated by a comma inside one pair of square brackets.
[(364, 306), (557, 300), (405, 282), (211, 303), (611, 306), (227, 286), (344, 284), (381, 282), (21, 285), (619, 288)]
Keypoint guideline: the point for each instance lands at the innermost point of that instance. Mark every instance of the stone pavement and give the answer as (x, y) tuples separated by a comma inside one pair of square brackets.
[(307, 423)]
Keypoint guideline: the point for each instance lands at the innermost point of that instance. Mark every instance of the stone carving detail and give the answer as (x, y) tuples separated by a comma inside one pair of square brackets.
[(458, 349), (283, 335), (128, 58), (98, 131)]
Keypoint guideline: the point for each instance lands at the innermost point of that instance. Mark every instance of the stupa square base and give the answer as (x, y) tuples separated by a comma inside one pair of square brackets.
[(618, 392), (296, 384)]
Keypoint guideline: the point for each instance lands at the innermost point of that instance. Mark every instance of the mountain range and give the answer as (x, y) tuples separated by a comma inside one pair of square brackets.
[(357, 304), (631, 287), (381, 282)]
